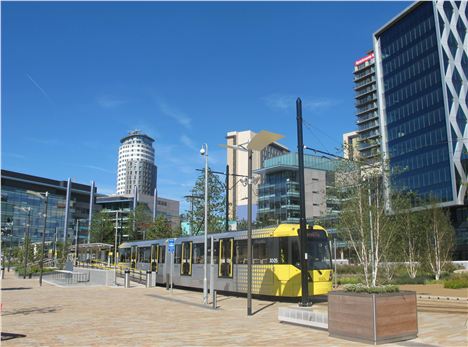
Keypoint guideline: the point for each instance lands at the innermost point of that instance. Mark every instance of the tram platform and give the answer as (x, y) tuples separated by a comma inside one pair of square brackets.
[(140, 316)]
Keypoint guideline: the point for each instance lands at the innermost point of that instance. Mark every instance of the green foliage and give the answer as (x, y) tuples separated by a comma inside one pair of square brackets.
[(349, 280), (457, 281), (349, 269), (102, 228), (361, 288), (160, 229), (138, 222), (33, 269), (216, 204)]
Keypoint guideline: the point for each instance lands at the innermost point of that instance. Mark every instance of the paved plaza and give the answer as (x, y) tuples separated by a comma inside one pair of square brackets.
[(139, 316)]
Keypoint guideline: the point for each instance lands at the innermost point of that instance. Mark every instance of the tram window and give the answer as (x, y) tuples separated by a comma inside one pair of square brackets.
[(162, 254), (295, 255), (198, 253), (215, 254), (283, 250), (177, 254), (124, 255), (144, 254), (240, 249)]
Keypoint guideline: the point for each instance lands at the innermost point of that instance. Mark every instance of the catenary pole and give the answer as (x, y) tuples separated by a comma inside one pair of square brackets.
[(302, 228)]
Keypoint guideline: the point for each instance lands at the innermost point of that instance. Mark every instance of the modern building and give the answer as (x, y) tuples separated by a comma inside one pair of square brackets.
[(238, 166), (351, 145), (20, 192), (278, 195), (120, 206), (367, 108), (136, 166), (421, 65)]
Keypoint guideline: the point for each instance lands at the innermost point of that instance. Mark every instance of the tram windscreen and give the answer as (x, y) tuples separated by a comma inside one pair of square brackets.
[(318, 251)]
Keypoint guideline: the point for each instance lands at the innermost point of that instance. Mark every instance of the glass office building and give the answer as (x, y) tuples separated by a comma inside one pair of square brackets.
[(278, 195), (422, 69), (18, 194)]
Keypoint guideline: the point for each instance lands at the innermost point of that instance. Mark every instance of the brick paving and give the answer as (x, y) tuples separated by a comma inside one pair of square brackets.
[(138, 316)]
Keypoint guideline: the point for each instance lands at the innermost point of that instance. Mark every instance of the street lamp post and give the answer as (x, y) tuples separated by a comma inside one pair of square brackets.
[(26, 241), (204, 152), (257, 143), (46, 202)]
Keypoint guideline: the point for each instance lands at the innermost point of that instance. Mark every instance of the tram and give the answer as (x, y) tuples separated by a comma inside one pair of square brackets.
[(275, 265)]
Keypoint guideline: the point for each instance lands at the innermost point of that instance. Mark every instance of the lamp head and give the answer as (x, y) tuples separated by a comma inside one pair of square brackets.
[(202, 151)]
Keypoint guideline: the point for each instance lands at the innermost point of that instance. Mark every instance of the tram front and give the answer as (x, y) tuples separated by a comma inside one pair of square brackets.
[(319, 262)]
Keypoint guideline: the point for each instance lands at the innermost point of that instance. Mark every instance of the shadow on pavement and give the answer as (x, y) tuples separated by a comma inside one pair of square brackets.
[(17, 288), (11, 336), (264, 307), (26, 311), (180, 301)]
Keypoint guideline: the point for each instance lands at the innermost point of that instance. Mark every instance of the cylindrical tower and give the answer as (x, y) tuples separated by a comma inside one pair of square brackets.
[(136, 164)]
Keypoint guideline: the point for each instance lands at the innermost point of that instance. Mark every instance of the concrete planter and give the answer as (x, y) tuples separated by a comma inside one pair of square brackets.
[(372, 318)]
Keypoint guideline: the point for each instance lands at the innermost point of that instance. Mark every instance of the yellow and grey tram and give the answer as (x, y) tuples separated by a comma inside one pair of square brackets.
[(275, 266)]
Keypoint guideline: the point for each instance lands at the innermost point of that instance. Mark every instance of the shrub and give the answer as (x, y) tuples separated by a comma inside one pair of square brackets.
[(349, 269), (361, 288), (349, 280), (457, 281)]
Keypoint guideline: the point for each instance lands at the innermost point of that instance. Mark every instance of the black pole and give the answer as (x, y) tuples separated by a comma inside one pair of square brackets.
[(302, 227), (249, 237), (26, 241), (227, 199), (43, 238)]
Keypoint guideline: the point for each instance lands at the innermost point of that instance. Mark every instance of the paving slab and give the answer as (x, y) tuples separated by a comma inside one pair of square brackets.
[(139, 316)]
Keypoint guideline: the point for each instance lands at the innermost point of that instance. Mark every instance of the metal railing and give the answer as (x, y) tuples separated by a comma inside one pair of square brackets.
[(66, 277)]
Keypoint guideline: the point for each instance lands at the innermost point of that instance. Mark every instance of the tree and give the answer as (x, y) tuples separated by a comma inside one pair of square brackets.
[(138, 222), (216, 204), (160, 229), (364, 221), (439, 238), (411, 240), (102, 228)]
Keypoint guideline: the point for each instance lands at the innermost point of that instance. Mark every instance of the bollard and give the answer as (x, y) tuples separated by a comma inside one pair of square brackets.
[(215, 304), (127, 278), (148, 279), (3, 272), (167, 282)]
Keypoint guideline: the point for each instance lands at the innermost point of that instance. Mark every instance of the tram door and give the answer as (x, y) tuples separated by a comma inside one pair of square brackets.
[(226, 247), (186, 268), (133, 256), (154, 257)]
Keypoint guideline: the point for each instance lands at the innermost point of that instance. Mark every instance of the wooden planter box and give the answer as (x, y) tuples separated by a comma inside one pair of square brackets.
[(373, 318)]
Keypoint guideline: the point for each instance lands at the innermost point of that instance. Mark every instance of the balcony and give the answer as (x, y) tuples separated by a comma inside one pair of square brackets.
[(291, 207), (367, 108), (365, 100), (363, 74), (365, 91), (367, 117), (364, 83)]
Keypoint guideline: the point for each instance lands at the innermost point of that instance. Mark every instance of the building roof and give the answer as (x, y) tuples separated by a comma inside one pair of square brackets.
[(290, 161), (136, 133), (398, 17)]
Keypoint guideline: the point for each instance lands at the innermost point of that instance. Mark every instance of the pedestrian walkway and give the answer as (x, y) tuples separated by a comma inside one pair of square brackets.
[(139, 316)]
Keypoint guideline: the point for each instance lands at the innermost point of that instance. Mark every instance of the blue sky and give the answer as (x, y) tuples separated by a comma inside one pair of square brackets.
[(76, 77)]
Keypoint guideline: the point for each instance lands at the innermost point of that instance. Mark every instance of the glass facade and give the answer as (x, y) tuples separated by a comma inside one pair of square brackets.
[(416, 125), (16, 198), (278, 195)]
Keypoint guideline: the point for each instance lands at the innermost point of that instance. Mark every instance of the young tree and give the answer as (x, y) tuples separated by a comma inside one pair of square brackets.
[(216, 204), (364, 221), (439, 238), (411, 240), (102, 228)]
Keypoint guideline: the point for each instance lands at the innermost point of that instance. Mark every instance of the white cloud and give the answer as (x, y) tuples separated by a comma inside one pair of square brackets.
[(107, 101), (187, 141), (178, 116), (285, 102)]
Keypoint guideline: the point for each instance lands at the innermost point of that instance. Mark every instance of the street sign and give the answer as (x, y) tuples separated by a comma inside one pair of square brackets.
[(171, 246)]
